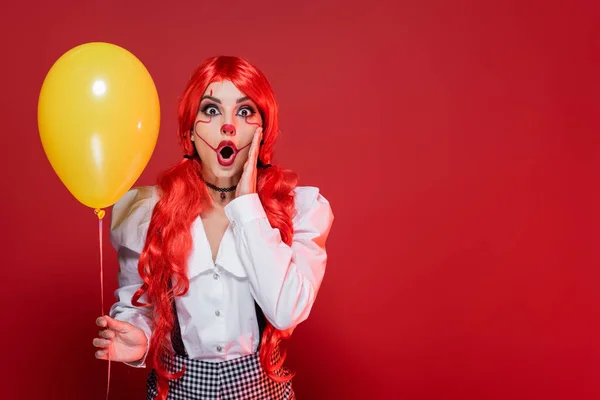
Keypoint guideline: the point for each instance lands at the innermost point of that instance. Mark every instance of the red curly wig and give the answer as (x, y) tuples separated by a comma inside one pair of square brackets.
[(183, 196)]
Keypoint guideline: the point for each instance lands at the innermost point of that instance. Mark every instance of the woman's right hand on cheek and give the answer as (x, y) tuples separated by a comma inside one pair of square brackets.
[(119, 341)]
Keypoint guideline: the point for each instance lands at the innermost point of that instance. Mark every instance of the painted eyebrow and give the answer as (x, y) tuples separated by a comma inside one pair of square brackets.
[(240, 100), (211, 98)]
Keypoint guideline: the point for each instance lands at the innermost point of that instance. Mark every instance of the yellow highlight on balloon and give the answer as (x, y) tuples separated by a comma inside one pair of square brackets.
[(98, 119)]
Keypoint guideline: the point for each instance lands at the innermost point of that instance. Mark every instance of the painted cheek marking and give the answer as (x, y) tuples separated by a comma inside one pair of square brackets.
[(200, 137), (205, 122), (242, 148), (251, 123)]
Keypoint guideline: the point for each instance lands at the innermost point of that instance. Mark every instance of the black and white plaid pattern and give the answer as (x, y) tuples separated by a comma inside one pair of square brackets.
[(238, 379)]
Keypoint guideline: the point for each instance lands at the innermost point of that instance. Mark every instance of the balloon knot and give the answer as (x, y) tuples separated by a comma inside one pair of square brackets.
[(100, 213)]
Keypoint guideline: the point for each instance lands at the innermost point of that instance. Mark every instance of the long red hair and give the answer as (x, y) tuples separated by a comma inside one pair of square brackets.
[(183, 195)]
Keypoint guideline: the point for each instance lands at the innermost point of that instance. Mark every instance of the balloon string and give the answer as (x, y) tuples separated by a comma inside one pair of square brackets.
[(100, 214)]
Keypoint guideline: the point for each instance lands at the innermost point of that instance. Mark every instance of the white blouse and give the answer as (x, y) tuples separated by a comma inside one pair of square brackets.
[(217, 316)]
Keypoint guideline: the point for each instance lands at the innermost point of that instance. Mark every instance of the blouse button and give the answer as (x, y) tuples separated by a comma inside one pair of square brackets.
[(219, 348), (217, 313), (215, 276)]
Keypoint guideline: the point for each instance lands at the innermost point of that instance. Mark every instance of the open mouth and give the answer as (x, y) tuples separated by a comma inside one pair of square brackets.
[(226, 152)]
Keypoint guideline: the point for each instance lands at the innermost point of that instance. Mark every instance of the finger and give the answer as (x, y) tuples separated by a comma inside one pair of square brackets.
[(116, 325), (103, 343), (258, 137), (255, 145), (102, 354), (101, 321), (107, 334)]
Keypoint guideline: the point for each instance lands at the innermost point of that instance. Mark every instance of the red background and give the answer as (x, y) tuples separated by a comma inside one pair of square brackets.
[(456, 141)]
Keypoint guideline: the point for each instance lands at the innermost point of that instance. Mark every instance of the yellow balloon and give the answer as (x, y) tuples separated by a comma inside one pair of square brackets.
[(98, 119)]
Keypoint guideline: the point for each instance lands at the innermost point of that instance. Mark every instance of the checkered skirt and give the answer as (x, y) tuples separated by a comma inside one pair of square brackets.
[(239, 379)]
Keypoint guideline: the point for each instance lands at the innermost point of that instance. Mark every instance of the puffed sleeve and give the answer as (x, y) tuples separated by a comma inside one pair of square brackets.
[(130, 219), (284, 279)]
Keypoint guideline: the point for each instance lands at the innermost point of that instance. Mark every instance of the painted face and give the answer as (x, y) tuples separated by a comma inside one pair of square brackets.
[(224, 127)]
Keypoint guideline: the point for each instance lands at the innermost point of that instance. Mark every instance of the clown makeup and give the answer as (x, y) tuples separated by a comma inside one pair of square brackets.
[(223, 131)]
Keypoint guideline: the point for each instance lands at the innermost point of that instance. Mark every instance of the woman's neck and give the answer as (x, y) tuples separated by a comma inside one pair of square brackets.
[(221, 189)]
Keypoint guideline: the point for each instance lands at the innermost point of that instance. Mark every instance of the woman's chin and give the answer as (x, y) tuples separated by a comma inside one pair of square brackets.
[(220, 171)]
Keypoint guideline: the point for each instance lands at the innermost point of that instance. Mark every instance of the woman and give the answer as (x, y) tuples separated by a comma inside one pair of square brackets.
[(221, 259)]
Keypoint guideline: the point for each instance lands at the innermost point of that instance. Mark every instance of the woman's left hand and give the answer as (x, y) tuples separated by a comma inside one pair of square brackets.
[(247, 183)]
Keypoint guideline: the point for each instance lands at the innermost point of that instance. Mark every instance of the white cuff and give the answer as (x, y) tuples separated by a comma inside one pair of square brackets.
[(245, 209)]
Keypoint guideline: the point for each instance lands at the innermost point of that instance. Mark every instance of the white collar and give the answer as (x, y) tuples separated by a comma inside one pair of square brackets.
[(200, 259)]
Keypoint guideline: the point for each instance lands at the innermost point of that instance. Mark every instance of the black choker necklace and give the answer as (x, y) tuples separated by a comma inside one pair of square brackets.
[(220, 189)]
